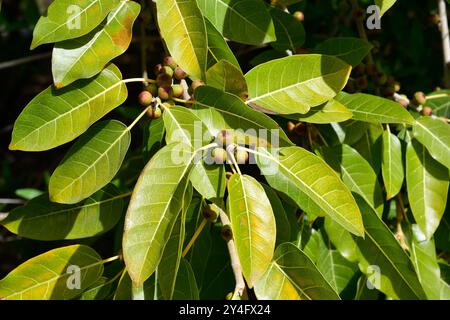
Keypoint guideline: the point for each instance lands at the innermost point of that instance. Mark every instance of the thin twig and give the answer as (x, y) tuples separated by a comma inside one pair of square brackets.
[(12, 201), (235, 262), (445, 41), (20, 61)]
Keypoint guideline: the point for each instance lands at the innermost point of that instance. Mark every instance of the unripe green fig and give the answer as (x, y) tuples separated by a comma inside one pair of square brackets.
[(177, 90), (209, 213), (167, 70), (420, 98), (152, 88), (145, 98), (157, 112), (219, 155), (170, 62), (167, 105), (179, 73), (164, 80), (299, 16), (163, 93), (241, 156)]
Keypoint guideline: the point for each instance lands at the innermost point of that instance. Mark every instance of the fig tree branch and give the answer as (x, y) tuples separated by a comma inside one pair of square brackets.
[(445, 41), (235, 262)]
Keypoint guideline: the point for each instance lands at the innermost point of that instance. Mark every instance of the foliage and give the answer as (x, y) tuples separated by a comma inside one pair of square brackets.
[(306, 176)]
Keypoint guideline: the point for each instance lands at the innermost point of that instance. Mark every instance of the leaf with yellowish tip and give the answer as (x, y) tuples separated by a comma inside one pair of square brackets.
[(312, 184), (296, 83), (183, 29), (84, 57), (253, 225), (154, 206), (293, 275), (55, 117), (46, 276), (65, 19)]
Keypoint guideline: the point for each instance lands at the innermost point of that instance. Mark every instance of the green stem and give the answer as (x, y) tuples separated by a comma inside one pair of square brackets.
[(194, 237)]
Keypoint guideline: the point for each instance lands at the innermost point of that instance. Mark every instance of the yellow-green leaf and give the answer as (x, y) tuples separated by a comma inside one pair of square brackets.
[(392, 164), (41, 219), (183, 29), (296, 83), (91, 163), (55, 117), (427, 182), (65, 19), (84, 57), (154, 206), (246, 21), (226, 77), (434, 134), (293, 275), (312, 184), (253, 225), (52, 275)]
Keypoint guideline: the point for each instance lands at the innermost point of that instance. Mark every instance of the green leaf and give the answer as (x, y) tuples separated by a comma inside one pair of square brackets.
[(218, 48), (200, 251), (182, 27), (427, 184), (28, 193), (392, 164), (91, 163), (434, 134), (442, 234), (154, 206), (331, 111), (170, 260), (289, 31), (337, 270), (350, 50), (50, 276), (370, 145), (379, 255), (356, 173), (65, 20), (41, 219), (292, 275), (182, 125), (154, 131), (369, 108), (186, 286), (312, 184), (220, 110), (439, 102), (226, 77), (55, 117), (98, 291), (245, 21), (253, 225), (348, 132), (301, 82), (423, 255), (84, 57), (283, 232), (384, 5)]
